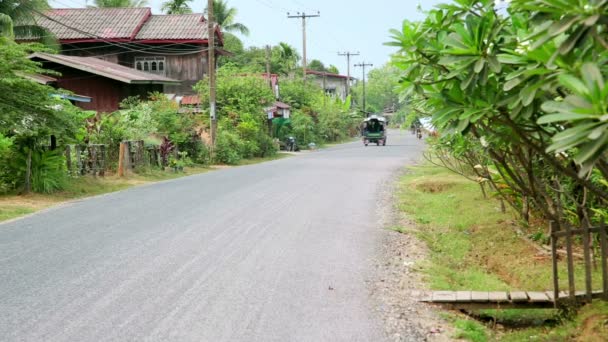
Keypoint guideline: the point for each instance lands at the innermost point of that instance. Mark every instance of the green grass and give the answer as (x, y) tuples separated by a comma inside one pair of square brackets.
[(474, 246), (8, 213), (470, 330)]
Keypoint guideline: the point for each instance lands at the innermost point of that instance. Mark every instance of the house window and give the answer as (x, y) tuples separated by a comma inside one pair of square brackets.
[(154, 65)]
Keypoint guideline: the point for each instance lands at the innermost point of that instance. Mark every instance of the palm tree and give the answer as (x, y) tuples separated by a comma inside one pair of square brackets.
[(225, 16), (18, 18), (176, 7), (288, 55), (120, 3), (6, 26)]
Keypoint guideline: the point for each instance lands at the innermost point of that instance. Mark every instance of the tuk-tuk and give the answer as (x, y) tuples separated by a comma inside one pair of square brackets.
[(374, 130)]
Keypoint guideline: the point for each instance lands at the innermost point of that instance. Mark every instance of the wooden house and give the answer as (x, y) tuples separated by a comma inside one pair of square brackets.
[(172, 47), (104, 84)]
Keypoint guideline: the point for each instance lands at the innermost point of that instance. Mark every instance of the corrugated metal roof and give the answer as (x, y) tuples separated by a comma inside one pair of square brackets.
[(90, 23), (106, 69), (42, 79), (189, 100), (174, 26), (326, 74)]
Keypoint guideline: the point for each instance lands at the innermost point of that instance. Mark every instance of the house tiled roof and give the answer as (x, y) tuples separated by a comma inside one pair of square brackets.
[(91, 23), (175, 26), (121, 24), (104, 68)]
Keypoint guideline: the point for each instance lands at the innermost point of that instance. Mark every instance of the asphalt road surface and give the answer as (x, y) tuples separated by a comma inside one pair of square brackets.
[(279, 251)]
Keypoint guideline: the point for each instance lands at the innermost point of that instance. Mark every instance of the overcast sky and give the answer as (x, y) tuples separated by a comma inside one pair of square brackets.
[(344, 25)]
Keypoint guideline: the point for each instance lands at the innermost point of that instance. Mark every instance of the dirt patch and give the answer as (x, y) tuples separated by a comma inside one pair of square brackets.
[(594, 328), (434, 186), (398, 286)]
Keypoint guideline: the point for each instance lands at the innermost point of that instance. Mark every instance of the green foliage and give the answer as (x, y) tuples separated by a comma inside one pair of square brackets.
[(527, 86), (470, 330), (48, 170), (228, 148), (119, 3), (30, 115), (225, 16), (381, 89), (300, 94), (176, 7), (283, 57), (17, 19), (316, 65)]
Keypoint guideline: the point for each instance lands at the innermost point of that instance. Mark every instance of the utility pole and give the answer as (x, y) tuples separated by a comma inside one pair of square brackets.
[(211, 62), (348, 54), (269, 83), (303, 16), (268, 66), (363, 65)]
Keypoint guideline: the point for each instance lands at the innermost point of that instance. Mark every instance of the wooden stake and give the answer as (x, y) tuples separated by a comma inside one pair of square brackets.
[(121, 160), (571, 288), (587, 256), (553, 229), (604, 254)]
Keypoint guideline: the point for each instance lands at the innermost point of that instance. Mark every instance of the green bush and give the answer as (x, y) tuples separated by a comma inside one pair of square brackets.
[(48, 170), (5, 174), (228, 148), (267, 147)]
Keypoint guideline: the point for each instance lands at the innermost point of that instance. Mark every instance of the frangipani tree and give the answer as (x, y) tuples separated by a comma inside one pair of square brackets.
[(527, 86)]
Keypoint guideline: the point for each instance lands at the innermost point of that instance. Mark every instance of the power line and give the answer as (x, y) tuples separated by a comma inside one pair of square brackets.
[(144, 47), (348, 54), (304, 16), (363, 65)]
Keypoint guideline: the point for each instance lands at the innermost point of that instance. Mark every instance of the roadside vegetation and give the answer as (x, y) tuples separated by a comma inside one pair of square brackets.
[(517, 92), (50, 147), (473, 245)]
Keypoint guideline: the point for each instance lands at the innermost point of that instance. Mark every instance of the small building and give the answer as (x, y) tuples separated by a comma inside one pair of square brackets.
[(279, 110), (104, 83), (332, 84)]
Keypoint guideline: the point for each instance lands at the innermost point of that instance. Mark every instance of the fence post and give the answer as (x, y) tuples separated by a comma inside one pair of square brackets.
[(78, 160), (570, 261), (102, 160), (140, 153), (93, 159), (587, 256), (604, 255), (121, 159), (68, 158), (553, 230)]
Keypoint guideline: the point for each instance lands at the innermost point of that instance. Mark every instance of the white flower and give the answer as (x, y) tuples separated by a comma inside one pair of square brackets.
[(484, 142)]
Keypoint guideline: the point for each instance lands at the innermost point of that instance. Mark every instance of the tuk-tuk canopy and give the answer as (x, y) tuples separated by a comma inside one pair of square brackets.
[(375, 117)]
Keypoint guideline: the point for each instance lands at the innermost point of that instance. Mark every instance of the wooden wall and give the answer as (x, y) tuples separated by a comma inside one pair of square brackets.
[(189, 68), (106, 93)]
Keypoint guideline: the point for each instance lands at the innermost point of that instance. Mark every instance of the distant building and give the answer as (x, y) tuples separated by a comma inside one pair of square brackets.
[(333, 84)]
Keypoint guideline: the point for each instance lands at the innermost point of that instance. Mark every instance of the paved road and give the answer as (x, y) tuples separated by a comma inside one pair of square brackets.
[(279, 251)]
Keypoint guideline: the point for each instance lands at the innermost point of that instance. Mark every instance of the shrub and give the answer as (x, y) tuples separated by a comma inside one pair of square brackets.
[(48, 170), (228, 148), (5, 174), (267, 147)]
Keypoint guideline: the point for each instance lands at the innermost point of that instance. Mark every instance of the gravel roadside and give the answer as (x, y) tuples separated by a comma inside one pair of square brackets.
[(398, 285)]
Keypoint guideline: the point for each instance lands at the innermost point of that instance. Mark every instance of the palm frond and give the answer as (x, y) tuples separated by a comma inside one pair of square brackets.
[(6, 26)]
